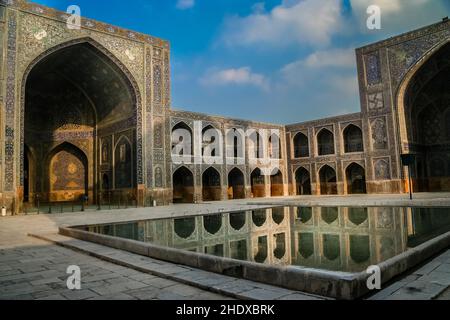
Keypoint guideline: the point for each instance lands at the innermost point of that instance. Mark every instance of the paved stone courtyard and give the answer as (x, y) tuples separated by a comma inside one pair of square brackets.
[(35, 269)]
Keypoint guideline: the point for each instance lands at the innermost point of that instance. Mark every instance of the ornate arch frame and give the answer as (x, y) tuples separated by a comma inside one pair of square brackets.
[(129, 79), (401, 93)]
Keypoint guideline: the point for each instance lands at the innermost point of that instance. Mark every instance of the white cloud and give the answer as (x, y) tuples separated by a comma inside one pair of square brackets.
[(337, 58), (387, 6), (346, 85), (311, 22), (399, 16), (185, 4), (239, 76)]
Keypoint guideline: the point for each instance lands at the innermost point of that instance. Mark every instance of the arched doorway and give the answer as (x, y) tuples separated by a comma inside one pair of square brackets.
[(426, 112), (236, 184), (353, 139), (303, 182), (183, 186), (211, 190), (328, 181), (325, 142), (356, 179), (78, 95), (258, 184), (68, 173), (276, 184)]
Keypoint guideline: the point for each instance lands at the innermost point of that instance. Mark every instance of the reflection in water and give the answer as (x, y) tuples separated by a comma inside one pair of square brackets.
[(359, 248), (212, 223), (357, 215), (184, 228), (237, 220), (304, 214), (280, 248), (262, 253), (340, 239), (331, 246), (259, 217), (278, 215), (238, 250), (330, 215)]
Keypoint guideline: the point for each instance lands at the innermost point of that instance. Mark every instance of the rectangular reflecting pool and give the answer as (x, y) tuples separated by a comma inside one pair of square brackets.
[(328, 238)]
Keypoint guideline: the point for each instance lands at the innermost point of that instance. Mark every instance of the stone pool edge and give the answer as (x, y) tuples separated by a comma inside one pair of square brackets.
[(338, 285)]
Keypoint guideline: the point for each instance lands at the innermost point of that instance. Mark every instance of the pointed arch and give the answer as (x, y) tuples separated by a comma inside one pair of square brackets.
[(236, 184), (118, 68), (353, 139), (68, 176), (211, 185), (123, 163), (182, 140), (183, 185), (356, 179), (258, 184), (303, 181), (325, 142), (301, 145), (276, 183), (423, 99), (328, 180)]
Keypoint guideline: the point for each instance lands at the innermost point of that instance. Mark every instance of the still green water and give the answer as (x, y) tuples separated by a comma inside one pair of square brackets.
[(331, 238)]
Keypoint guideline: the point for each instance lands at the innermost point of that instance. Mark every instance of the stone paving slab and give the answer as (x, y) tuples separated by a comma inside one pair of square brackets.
[(118, 282), (16, 248), (428, 282), (169, 272)]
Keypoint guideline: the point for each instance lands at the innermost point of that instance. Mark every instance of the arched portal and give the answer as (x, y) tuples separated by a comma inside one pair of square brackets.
[(212, 190), (426, 109), (353, 139), (258, 184), (303, 182), (328, 181), (67, 173), (183, 186), (276, 184), (356, 179), (236, 184), (78, 94)]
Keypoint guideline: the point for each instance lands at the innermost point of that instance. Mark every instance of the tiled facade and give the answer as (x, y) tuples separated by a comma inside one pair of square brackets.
[(141, 144)]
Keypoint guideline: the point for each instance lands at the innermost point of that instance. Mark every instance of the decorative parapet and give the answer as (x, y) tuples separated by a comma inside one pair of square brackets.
[(30, 7)]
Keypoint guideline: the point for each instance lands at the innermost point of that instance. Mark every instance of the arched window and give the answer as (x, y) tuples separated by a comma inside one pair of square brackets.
[(274, 147), (210, 136), (353, 139), (123, 169), (301, 146), (256, 150), (235, 145), (325, 142), (182, 142)]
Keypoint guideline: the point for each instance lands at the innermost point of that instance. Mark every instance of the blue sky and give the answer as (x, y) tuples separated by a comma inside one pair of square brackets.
[(280, 61)]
